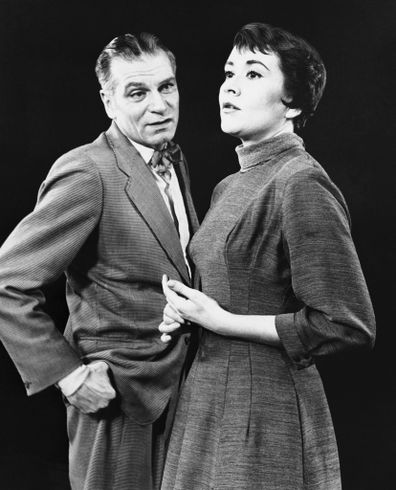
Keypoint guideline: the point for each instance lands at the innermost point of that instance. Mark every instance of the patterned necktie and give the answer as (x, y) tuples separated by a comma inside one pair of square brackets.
[(161, 162)]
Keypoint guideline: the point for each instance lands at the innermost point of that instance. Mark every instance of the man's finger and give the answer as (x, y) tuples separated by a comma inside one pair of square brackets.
[(99, 382), (87, 400), (102, 388)]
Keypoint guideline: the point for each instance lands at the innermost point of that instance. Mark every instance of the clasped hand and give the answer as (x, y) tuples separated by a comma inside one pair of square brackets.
[(185, 305), (96, 392)]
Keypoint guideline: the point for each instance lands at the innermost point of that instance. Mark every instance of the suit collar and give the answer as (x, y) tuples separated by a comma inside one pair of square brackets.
[(145, 152), (143, 192)]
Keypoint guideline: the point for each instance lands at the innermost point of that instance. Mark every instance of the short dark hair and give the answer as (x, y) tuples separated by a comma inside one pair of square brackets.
[(301, 65), (129, 47)]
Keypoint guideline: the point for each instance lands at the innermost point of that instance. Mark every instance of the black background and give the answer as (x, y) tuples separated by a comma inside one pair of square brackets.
[(50, 104)]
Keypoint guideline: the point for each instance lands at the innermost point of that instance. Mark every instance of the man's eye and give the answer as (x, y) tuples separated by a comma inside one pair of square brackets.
[(253, 74), (228, 74), (167, 88), (137, 94)]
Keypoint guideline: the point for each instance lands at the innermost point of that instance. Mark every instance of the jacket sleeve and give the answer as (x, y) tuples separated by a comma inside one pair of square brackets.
[(35, 254), (325, 272)]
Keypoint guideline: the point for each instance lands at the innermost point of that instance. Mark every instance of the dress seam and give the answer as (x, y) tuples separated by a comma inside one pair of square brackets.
[(192, 373), (219, 431)]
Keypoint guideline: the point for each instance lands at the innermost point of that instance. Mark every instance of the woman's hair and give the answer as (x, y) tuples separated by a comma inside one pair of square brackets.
[(301, 65)]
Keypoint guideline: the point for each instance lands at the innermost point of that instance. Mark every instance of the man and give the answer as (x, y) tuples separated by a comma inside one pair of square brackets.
[(114, 215)]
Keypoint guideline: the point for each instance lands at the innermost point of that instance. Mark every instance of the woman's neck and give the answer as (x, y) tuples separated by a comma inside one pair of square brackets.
[(287, 127)]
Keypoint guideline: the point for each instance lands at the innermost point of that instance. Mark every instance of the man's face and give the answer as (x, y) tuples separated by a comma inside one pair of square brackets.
[(144, 99)]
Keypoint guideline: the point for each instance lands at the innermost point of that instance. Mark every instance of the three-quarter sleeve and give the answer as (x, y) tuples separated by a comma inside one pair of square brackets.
[(326, 275)]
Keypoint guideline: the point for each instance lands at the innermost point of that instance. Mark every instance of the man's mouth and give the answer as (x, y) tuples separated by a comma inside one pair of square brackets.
[(161, 122)]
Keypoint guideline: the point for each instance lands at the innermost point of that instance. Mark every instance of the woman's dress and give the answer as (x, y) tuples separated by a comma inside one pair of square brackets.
[(276, 241)]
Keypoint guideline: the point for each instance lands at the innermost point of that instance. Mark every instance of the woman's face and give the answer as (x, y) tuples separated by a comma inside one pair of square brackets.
[(251, 106)]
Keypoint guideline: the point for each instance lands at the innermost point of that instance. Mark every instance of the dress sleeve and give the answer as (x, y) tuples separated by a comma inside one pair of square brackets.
[(325, 272), (36, 253)]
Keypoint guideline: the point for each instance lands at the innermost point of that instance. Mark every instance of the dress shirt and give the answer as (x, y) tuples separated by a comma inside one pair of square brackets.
[(174, 188)]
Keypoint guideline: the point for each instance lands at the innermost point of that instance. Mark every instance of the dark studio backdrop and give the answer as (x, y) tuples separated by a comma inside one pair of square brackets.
[(50, 104)]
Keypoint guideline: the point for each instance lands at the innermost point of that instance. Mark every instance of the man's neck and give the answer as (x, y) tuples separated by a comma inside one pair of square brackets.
[(145, 151)]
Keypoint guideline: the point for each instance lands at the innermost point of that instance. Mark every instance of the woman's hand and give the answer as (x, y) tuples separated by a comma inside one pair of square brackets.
[(187, 304), (172, 320)]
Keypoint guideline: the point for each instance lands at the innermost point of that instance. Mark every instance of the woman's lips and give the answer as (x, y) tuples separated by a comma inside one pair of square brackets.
[(229, 107)]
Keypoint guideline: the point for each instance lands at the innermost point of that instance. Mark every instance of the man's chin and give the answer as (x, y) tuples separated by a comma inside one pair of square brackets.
[(159, 139)]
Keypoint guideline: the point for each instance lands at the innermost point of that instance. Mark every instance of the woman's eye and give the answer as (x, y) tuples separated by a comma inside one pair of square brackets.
[(228, 74), (253, 74)]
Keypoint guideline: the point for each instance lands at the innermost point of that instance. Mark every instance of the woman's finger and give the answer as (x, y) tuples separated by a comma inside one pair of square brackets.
[(171, 314), (174, 299), (165, 338), (169, 320), (164, 283), (169, 328), (181, 289)]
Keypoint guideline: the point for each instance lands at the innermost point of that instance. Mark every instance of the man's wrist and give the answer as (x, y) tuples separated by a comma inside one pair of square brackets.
[(72, 382)]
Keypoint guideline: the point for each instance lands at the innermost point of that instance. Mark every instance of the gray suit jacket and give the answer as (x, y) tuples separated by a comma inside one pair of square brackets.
[(101, 219)]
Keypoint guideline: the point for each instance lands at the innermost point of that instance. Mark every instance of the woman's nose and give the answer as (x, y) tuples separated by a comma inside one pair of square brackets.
[(231, 86)]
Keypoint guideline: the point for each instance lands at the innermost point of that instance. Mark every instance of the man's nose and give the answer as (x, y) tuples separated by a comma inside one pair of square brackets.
[(157, 102)]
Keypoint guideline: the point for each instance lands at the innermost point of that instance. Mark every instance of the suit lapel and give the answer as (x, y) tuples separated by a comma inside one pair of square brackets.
[(143, 191), (184, 181)]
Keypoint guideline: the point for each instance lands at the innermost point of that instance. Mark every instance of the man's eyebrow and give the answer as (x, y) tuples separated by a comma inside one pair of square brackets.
[(134, 85), (131, 84), (168, 80)]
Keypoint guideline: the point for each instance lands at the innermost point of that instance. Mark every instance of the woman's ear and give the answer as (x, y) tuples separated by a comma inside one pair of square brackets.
[(291, 113)]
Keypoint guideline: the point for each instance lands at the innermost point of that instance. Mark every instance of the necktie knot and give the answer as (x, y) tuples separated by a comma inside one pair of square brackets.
[(162, 160)]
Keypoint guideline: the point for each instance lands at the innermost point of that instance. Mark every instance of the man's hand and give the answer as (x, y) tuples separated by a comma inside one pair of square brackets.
[(96, 391)]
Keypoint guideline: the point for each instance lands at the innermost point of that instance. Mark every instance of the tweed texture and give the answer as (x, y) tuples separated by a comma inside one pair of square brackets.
[(276, 241), (101, 219), (111, 451)]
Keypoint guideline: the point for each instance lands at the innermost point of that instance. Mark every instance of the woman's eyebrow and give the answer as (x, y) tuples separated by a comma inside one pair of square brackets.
[(252, 62), (248, 62)]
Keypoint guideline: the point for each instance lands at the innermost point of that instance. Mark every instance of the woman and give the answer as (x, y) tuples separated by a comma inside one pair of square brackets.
[(282, 286)]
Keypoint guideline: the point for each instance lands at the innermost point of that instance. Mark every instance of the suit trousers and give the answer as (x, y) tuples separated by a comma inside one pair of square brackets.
[(110, 451)]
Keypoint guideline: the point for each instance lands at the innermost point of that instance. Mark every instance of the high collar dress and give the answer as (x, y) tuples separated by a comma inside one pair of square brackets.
[(276, 241)]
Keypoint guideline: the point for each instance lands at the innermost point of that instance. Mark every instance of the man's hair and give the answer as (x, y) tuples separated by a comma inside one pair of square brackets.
[(301, 65), (129, 47)]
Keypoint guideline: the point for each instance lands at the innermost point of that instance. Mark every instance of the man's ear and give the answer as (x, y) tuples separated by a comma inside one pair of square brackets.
[(107, 102), (291, 113)]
